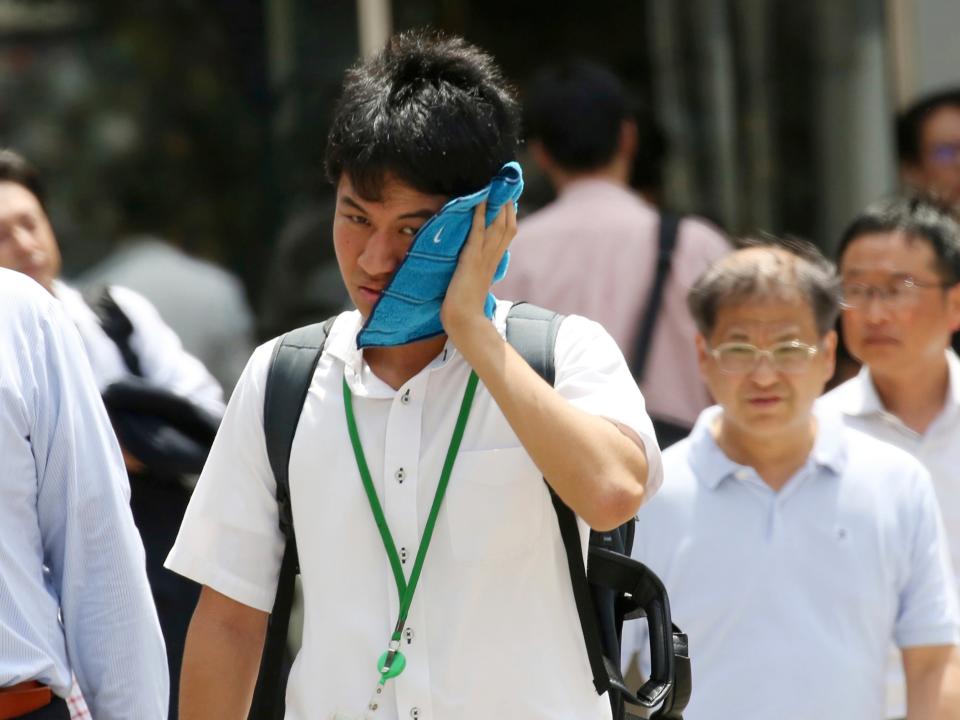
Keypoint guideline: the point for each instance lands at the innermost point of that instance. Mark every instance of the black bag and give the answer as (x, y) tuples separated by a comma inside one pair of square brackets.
[(615, 589), (166, 432), (668, 431)]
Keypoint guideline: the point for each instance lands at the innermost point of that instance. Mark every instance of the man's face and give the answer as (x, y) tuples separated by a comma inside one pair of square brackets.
[(371, 238), (912, 326), (27, 243), (938, 170), (774, 396)]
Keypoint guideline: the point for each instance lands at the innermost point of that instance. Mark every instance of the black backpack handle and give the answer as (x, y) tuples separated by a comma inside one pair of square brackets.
[(640, 593)]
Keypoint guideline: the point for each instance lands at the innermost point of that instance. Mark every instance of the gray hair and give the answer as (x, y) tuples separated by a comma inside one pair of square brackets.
[(763, 269)]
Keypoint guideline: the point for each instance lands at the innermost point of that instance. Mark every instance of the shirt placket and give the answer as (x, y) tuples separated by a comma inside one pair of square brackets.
[(402, 487)]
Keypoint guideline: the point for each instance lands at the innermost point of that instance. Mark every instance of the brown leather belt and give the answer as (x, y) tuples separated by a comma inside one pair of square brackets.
[(22, 698)]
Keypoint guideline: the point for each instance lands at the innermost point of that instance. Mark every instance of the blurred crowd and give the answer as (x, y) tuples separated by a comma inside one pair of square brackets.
[(769, 566)]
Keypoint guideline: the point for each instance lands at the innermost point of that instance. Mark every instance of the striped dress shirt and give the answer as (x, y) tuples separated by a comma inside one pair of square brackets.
[(74, 597)]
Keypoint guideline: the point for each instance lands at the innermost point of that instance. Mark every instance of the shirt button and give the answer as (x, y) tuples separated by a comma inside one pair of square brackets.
[(405, 398), (403, 555), (408, 634), (415, 713), (742, 474), (400, 475)]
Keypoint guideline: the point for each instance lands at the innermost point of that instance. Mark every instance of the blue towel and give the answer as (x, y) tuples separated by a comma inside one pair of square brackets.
[(409, 308)]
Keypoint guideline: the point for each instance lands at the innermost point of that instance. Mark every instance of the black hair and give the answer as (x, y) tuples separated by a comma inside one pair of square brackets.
[(790, 268), (430, 110), (918, 218), (576, 109), (17, 169), (910, 123)]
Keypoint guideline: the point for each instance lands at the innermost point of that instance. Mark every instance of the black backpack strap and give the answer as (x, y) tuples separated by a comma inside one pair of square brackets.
[(667, 241), (292, 365), (532, 331), (115, 324)]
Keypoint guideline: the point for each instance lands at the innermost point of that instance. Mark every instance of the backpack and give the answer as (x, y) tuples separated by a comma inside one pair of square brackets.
[(613, 589)]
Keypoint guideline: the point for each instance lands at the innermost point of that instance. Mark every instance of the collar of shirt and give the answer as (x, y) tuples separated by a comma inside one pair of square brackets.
[(711, 465), (342, 345), (587, 187), (860, 398)]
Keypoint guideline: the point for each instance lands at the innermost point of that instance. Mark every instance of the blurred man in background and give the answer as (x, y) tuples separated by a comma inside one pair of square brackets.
[(164, 404), (928, 146), (204, 304), (794, 549), (74, 598), (594, 251), (900, 264)]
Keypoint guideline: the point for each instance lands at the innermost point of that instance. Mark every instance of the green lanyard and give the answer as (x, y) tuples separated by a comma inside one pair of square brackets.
[(392, 662)]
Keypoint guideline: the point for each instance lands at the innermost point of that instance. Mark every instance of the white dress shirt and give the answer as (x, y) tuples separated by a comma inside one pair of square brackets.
[(163, 361), (493, 631), (74, 595), (938, 449), (791, 598)]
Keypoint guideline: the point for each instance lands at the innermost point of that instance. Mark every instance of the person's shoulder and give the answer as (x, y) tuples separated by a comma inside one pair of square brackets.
[(699, 234), (872, 461), (838, 398), (23, 299)]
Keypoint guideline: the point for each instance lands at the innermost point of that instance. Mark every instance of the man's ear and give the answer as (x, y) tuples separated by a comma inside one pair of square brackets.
[(953, 307), (627, 142), (541, 157), (828, 347), (703, 353)]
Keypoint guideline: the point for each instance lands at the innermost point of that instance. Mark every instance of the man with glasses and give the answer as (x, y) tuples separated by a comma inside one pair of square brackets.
[(928, 145), (900, 263), (794, 548)]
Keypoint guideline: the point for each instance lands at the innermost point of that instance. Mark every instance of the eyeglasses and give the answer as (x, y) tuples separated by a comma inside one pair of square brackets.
[(945, 153), (742, 358), (897, 294)]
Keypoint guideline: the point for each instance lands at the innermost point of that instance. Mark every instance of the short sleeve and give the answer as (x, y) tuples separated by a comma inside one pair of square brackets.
[(230, 538), (927, 613), (592, 374)]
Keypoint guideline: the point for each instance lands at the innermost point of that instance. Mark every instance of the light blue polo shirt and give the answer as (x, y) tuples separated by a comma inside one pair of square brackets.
[(791, 598)]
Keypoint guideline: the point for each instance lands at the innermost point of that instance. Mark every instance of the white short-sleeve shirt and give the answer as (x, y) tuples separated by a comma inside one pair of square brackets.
[(791, 598), (493, 631), (858, 403)]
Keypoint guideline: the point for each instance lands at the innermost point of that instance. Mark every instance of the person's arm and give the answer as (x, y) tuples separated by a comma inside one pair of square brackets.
[(221, 659), (597, 467), (950, 697), (91, 545), (924, 667)]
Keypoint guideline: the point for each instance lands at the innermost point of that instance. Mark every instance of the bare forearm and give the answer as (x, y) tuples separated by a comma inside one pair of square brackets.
[(595, 468), (924, 669), (950, 697), (220, 665)]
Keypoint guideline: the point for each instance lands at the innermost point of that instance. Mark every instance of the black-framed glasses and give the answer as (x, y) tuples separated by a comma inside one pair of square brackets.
[(897, 294), (736, 358)]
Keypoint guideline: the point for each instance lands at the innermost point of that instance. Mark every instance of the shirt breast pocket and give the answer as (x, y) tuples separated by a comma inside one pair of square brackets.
[(496, 502)]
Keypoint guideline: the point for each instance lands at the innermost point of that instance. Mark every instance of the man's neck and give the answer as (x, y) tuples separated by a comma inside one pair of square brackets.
[(396, 365), (916, 397), (775, 458), (613, 173)]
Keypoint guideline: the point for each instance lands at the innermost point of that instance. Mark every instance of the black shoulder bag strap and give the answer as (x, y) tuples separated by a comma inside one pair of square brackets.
[(532, 331), (115, 324), (669, 224), (294, 361)]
